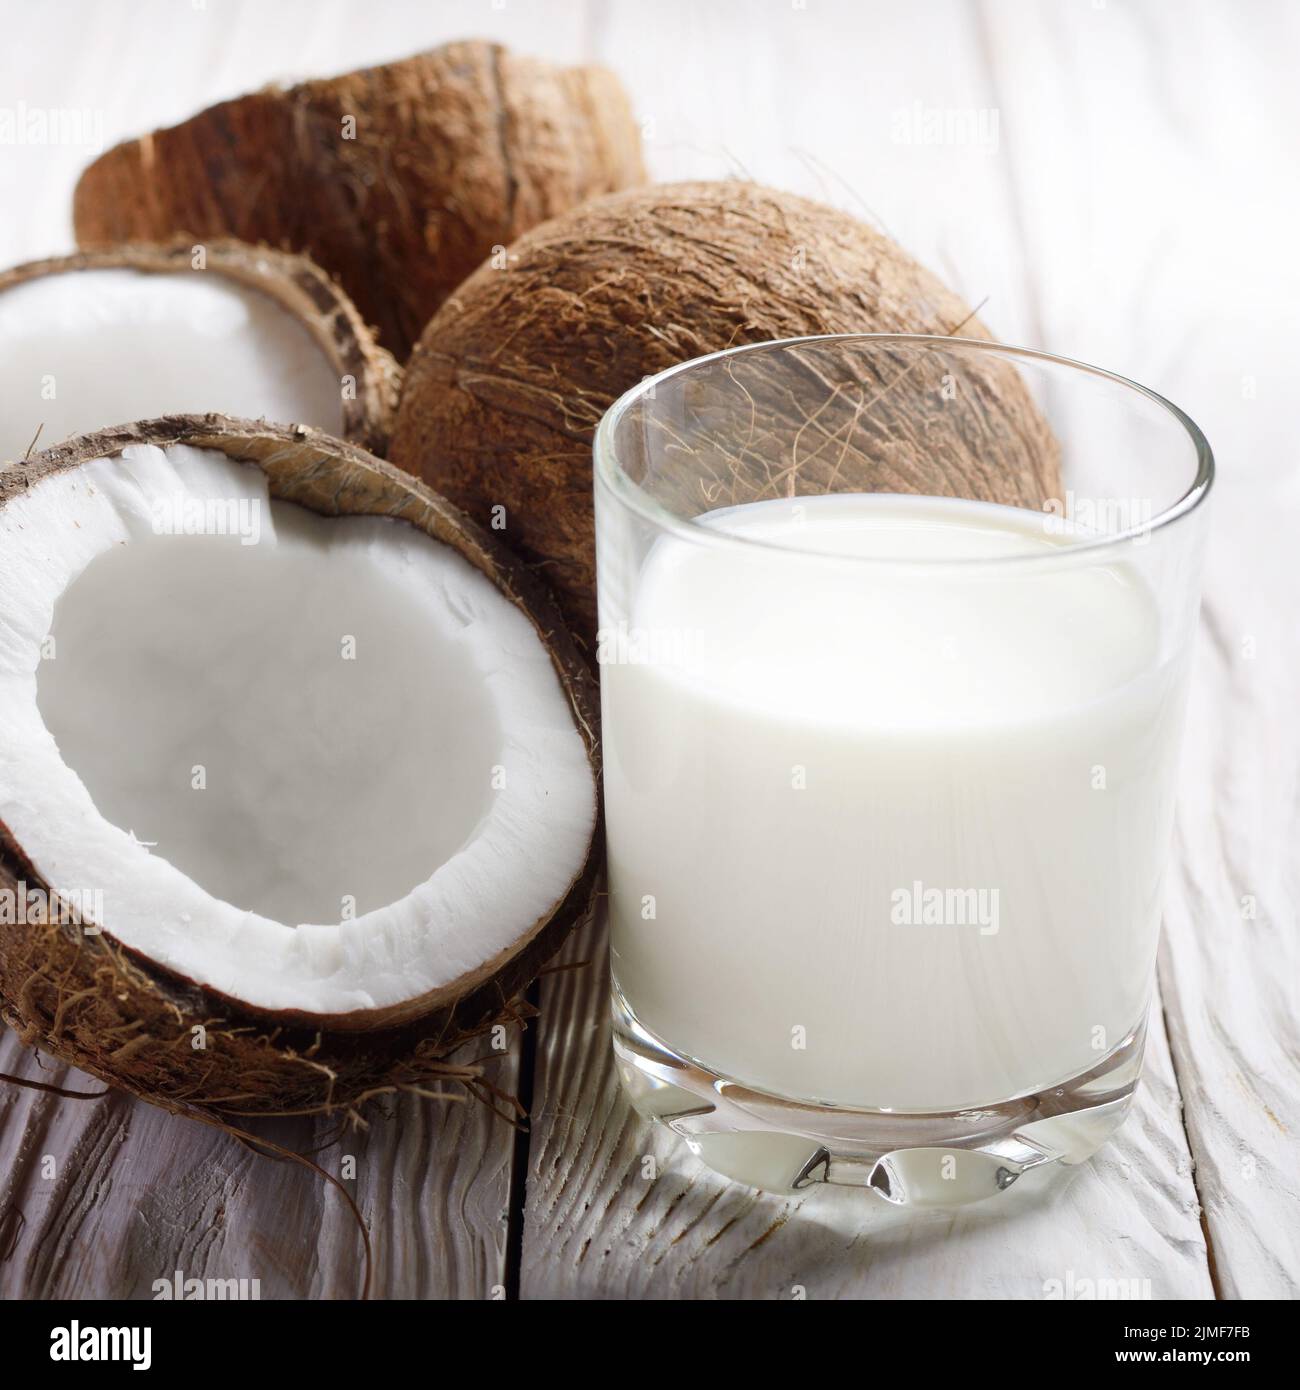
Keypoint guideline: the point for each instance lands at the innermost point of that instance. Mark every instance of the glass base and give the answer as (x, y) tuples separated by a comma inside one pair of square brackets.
[(909, 1159)]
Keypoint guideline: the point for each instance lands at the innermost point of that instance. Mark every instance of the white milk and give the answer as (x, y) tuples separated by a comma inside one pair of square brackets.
[(883, 835)]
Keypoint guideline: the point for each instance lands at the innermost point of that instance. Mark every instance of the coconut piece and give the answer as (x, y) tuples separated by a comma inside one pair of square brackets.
[(140, 331), (400, 179), (311, 790), (504, 391)]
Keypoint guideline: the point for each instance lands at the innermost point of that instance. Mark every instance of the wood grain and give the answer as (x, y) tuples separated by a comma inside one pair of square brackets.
[(1231, 959), (1074, 222), (1136, 106), (616, 1208), (100, 1198), (1137, 210), (136, 1194)]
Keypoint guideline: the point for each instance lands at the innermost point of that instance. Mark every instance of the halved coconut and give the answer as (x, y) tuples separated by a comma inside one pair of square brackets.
[(400, 179), (136, 332), (292, 798)]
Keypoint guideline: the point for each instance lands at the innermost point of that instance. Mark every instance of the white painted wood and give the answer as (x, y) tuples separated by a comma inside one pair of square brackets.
[(1231, 959), (137, 1194), (617, 1209), (1136, 208), (134, 65), (100, 1198), (831, 99), (1165, 152), (1134, 212)]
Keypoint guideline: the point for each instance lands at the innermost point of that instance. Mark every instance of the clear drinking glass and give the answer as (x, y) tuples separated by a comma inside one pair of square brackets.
[(894, 645)]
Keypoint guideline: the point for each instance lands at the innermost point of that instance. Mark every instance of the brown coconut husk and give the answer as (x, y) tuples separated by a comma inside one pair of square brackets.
[(505, 389), (297, 284), (399, 179), (86, 999)]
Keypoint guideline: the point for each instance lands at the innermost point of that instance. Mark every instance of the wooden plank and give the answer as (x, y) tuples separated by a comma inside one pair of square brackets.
[(100, 1198), (594, 1226), (1117, 135), (618, 1209), (1231, 963), (1122, 217), (136, 1194)]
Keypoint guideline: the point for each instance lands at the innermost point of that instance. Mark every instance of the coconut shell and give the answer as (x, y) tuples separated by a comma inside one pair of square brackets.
[(504, 391), (295, 283), (85, 998), (398, 179)]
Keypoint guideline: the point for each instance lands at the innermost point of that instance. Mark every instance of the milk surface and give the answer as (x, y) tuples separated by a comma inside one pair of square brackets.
[(888, 834)]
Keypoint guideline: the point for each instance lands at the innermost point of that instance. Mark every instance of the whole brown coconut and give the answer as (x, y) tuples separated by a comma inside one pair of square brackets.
[(70, 989), (505, 389), (398, 179)]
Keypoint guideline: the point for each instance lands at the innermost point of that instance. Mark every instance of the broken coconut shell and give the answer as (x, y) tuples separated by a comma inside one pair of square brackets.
[(86, 998), (504, 391), (399, 179)]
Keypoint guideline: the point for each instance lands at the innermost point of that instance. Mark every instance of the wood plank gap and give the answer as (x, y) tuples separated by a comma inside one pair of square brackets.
[(1202, 1215), (514, 1254)]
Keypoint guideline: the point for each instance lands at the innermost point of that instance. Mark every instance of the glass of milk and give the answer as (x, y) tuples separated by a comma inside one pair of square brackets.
[(894, 645)]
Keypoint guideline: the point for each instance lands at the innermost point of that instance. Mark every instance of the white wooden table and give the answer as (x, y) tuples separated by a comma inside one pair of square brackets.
[(1129, 197)]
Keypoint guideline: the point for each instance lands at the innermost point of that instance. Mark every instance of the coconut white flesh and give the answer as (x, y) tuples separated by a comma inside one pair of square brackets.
[(344, 711), (86, 349)]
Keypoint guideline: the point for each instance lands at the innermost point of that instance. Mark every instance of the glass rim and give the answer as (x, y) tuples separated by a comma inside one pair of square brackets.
[(610, 472)]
